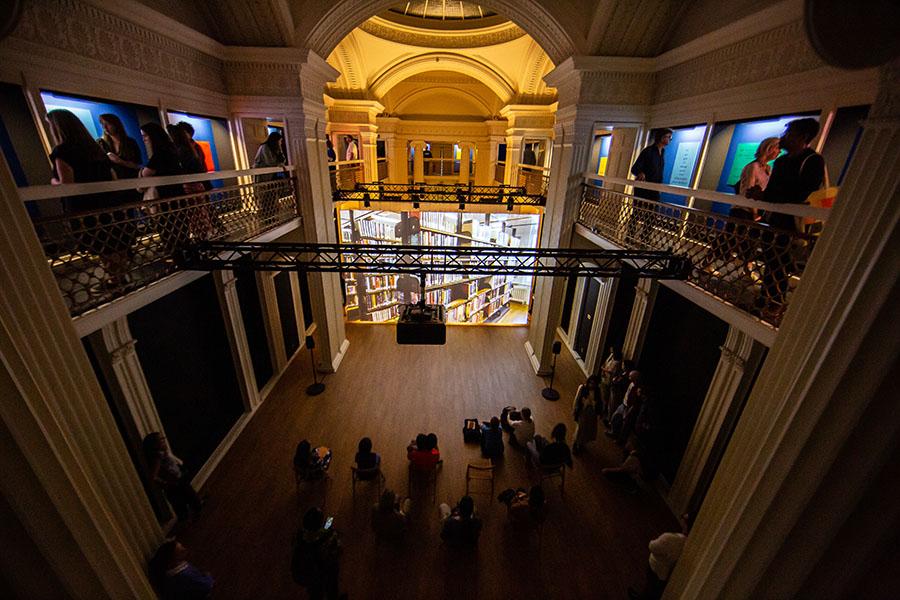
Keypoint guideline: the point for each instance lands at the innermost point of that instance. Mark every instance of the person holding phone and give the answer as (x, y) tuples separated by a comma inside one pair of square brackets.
[(316, 556)]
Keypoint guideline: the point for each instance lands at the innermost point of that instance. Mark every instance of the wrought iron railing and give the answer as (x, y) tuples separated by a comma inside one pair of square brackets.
[(741, 261), (535, 180), (345, 175), (440, 193), (98, 255)]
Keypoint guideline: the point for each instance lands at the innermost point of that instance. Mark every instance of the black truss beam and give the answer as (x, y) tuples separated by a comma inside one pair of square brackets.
[(440, 194), (356, 258)]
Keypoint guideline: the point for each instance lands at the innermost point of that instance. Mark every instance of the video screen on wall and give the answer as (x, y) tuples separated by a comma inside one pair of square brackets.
[(682, 155), (468, 299)]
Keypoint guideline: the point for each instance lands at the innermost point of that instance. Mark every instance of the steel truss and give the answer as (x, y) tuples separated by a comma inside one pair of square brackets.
[(441, 194), (464, 260)]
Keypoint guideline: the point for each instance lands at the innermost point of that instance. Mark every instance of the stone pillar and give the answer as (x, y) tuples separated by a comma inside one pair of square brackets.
[(369, 141), (318, 210), (641, 311), (67, 475), (513, 157), (729, 384), (465, 150), (572, 143), (118, 358), (485, 159), (804, 503), (237, 337), (418, 147)]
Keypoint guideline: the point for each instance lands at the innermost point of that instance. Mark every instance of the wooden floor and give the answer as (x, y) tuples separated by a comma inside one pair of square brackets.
[(594, 544)]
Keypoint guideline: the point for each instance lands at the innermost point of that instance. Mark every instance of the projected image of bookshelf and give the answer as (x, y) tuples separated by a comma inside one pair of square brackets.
[(488, 299)]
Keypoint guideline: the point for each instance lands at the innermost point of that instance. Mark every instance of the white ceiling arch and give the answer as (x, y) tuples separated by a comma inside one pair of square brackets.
[(403, 103), (443, 61)]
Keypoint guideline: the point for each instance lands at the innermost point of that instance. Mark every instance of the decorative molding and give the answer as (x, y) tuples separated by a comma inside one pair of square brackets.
[(83, 30), (262, 79), (413, 36), (775, 53)]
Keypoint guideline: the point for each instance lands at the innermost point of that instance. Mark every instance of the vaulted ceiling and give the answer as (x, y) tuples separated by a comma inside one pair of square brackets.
[(562, 27)]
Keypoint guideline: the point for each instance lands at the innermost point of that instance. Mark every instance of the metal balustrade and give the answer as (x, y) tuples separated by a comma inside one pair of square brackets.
[(98, 255), (747, 263), (535, 180), (344, 175)]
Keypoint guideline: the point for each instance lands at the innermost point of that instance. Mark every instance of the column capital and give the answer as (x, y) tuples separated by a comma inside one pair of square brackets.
[(603, 80)]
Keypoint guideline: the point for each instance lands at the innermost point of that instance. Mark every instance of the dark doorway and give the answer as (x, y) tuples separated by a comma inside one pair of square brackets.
[(568, 301), (622, 303), (285, 297), (586, 316), (254, 327), (679, 357)]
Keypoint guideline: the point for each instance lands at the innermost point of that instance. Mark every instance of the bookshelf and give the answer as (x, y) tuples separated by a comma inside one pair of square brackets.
[(467, 299)]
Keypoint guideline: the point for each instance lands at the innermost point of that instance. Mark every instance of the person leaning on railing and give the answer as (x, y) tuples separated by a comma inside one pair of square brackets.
[(795, 176), (648, 167)]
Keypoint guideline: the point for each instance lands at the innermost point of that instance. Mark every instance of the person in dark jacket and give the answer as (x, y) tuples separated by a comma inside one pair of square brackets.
[(648, 167)]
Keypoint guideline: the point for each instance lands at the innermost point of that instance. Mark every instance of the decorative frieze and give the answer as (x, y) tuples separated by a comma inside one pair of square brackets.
[(422, 38), (775, 53), (262, 79), (88, 32)]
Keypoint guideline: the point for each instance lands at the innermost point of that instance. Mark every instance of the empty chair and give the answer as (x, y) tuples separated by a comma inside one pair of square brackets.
[(479, 472)]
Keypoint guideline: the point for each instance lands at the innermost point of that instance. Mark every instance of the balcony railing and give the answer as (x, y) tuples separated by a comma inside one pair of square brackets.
[(382, 169), (500, 172), (345, 174), (535, 180), (746, 263), (98, 255)]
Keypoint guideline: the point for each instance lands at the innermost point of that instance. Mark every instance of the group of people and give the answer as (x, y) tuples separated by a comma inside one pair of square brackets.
[(795, 175)]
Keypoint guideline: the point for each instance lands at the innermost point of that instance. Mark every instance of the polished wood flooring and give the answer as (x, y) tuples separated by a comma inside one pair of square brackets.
[(594, 544)]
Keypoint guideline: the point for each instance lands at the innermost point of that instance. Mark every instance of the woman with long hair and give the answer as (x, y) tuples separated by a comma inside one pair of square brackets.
[(121, 149), (76, 157), (172, 218), (269, 154)]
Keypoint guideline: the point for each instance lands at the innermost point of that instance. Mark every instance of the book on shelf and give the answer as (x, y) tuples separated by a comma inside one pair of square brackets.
[(379, 299), (376, 229), (441, 221), (380, 282), (379, 316)]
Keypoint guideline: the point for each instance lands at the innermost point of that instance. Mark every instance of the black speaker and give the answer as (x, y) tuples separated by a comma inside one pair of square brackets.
[(557, 347), (310, 342)]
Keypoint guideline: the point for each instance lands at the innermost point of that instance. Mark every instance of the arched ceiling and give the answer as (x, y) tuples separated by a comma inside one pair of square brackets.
[(444, 94), (371, 65)]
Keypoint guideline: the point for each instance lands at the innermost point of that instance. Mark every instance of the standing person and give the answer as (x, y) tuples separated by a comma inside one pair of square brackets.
[(352, 152), (198, 149), (329, 150), (186, 150), (584, 411), (77, 158), (608, 371), (173, 221), (794, 177), (648, 167), (167, 471), (426, 159), (121, 150), (315, 563), (664, 553), (529, 157), (269, 154)]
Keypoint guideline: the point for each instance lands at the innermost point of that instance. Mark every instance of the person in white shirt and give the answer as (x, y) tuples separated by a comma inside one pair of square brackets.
[(523, 429), (664, 553), (756, 174), (352, 152)]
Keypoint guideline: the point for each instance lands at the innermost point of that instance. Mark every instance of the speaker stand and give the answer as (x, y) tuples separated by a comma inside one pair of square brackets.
[(548, 392), (317, 387)]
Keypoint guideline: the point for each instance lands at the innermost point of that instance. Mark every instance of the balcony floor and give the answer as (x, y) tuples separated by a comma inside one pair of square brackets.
[(594, 542)]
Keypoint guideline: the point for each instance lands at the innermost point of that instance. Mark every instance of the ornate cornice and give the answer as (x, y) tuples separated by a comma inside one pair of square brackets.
[(88, 32), (775, 53), (262, 79), (477, 38)]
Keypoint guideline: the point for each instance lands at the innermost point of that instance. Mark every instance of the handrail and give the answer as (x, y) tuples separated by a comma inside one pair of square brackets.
[(797, 210), (347, 163), (67, 190), (545, 170)]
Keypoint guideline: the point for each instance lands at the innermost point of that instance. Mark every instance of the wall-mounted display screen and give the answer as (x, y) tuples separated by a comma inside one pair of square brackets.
[(494, 299), (603, 156), (681, 158), (88, 111)]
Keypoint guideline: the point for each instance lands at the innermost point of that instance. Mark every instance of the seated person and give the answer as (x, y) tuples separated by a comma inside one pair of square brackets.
[(311, 463), (523, 505), (389, 515), (366, 460), (423, 453), (522, 429), (460, 525), (174, 577), (509, 413), (492, 439), (544, 453), (628, 473)]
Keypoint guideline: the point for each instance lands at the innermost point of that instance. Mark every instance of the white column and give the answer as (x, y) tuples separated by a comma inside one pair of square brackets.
[(730, 374), (226, 289), (465, 149), (639, 322), (129, 380), (485, 159), (569, 161), (418, 147), (66, 471), (369, 141), (804, 502), (265, 282), (513, 157)]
